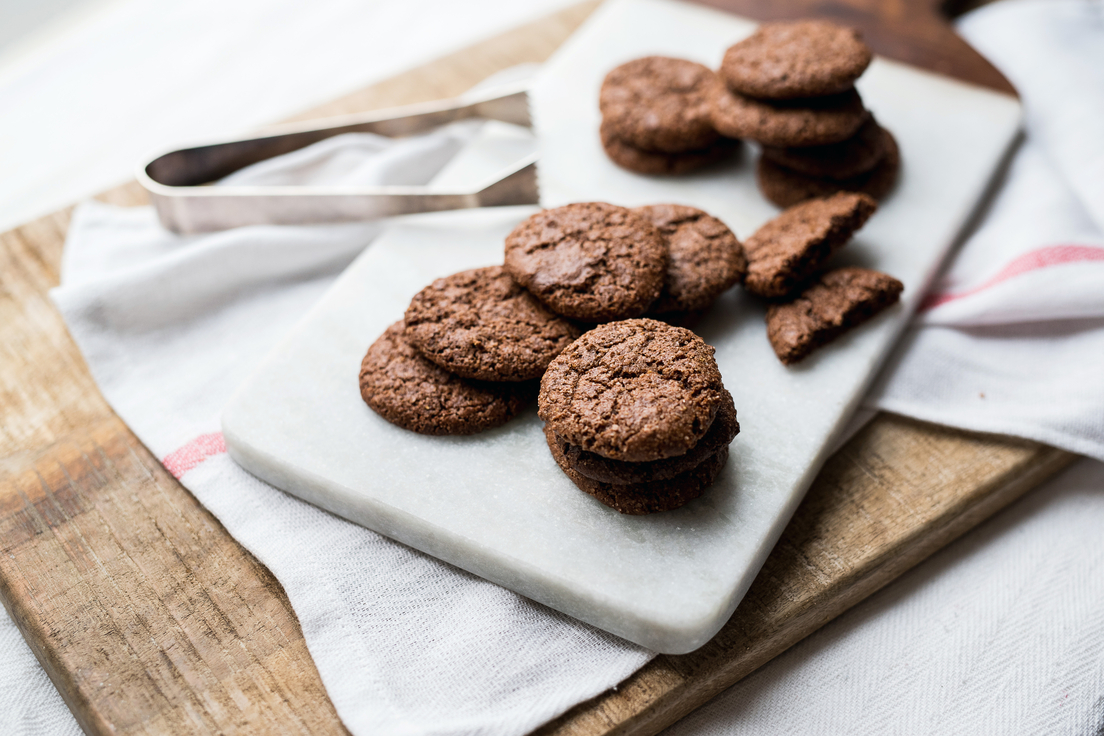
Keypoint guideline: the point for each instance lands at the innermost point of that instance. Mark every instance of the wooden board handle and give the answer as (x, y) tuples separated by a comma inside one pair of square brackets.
[(917, 32)]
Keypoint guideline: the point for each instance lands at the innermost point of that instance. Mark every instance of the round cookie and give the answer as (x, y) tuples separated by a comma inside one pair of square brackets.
[(659, 104), (406, 389), (590, 261), (482, 324), (844, 160), (786, 123), (721, 432), (652, 162), (650, 497), (808, 58), (636, 390), (704, 258), (786, 187)]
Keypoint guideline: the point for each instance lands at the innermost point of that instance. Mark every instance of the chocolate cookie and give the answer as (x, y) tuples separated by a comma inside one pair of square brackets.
[(808, 58), (650, 497), (406, 389), (651, 162), (590, 261), (704, 258), (595, 467), (636, 390), (659, 104), (857, 155), (836, 302), (789, 249), (810, 121), (786, 187), (482, 324)]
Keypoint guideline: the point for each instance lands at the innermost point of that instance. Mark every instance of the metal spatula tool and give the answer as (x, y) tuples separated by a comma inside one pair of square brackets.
[(179, 181)]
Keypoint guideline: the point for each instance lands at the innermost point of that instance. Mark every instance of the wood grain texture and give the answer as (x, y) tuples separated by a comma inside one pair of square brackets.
[(141, 608), (149, 618)]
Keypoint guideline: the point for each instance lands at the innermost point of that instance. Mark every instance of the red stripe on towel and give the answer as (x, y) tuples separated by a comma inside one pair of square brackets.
[(1054, 255), (179, 462)]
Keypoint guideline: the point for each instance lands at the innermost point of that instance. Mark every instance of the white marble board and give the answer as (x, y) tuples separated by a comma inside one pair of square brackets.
[(495, 503)]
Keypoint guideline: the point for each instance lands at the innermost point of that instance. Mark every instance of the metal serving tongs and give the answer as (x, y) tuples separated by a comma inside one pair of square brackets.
[(177, 180)]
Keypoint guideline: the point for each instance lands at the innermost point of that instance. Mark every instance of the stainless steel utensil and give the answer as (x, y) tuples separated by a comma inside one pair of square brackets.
[(178, 181)]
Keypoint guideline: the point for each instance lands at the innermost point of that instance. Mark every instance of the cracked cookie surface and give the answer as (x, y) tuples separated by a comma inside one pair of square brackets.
[(590, 261), (407, 390), (636, 390), (590, 465), (704, 258), (482, 324), (657, 103), (789, 249), (807, 58)]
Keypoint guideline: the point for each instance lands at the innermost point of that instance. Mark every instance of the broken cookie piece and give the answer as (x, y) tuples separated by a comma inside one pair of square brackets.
[(785, 252), (837, 301)]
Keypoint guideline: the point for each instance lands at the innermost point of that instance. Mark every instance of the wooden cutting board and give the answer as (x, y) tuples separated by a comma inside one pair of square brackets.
[(148, 617)]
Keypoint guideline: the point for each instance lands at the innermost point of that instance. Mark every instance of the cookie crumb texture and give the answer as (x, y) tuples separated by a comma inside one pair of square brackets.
[(808, 58), (649, 497), (590, 261), (407, 390), (636, 390), (704, 258), (482, 324), (657, 103), (839, 300), (789, 249)]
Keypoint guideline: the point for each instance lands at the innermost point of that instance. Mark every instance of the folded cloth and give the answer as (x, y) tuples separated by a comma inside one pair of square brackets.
[(1012, 338)]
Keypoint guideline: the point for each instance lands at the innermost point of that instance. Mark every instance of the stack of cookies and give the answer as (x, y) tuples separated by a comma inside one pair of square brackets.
[(790, 87), (656, 119), (637, 416), (810, 306)]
